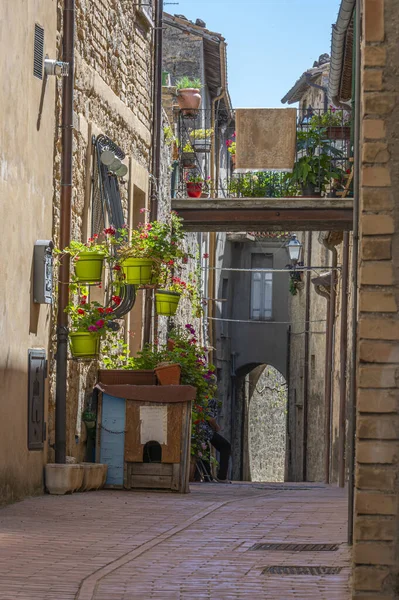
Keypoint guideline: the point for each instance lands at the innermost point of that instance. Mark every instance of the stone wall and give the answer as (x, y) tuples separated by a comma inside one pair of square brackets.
[(376, 527), (267, 426), (113, 96)]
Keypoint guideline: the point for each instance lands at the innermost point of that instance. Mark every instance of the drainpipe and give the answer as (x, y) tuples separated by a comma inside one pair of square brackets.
[(343, 355), (355, 250), (214, 175), (65, 231), (306, 365), (329, 363), (156, 147)]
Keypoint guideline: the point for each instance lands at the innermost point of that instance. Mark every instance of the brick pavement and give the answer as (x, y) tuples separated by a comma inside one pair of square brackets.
[(113, 545)]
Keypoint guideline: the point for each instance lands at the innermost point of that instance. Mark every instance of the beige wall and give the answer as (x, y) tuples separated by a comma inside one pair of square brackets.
[(26, 194), (376, 528)]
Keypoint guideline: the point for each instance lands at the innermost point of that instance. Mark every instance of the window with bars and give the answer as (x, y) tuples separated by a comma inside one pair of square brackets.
[(261, 288)]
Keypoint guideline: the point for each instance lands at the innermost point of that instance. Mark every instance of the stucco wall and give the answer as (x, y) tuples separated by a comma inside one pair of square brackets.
[(26, 192)]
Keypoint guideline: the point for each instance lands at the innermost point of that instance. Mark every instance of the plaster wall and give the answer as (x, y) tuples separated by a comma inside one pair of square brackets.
[(26, 192)]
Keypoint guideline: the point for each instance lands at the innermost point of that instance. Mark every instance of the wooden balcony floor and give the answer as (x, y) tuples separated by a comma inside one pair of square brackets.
[(265, 214)]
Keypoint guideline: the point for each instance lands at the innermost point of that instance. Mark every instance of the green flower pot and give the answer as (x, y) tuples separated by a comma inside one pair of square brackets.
[(138, 271), (84, 344), (166, 302), (89, 267)]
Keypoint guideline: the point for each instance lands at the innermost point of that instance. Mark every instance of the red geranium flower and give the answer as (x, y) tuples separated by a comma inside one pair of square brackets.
[(81, 311), (117, 300), (117, 268), (206, 255), (109, 310), (110, 230), (100, 310)]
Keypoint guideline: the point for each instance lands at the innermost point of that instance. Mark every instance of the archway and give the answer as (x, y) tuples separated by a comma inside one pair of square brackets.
[(266, 424)]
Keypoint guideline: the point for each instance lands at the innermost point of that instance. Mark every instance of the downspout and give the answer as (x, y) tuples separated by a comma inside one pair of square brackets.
[(156, 147), (355, 250), (68, 33), (343, 354), (306, 365), (329, 363), (212, 235)]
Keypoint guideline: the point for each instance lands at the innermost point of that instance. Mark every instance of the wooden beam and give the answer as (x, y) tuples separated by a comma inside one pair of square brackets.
[(266, 214)]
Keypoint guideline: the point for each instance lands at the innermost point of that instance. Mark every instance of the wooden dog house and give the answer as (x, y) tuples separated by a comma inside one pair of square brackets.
[(143, 435)]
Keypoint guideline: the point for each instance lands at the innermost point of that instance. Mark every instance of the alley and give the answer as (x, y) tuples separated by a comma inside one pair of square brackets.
[(124, 545)]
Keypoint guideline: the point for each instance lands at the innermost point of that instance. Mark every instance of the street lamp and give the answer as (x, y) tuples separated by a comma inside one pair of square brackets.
[(294, 248)]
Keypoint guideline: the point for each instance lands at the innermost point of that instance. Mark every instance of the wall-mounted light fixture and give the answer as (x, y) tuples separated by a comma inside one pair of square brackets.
[(56, 67), (113, 163), (294, 248)]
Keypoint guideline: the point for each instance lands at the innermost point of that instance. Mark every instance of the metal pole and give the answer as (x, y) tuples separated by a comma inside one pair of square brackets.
[(328, 369), (65, 231), (306, 366), (343, 354), (355, 250), (156, 147)]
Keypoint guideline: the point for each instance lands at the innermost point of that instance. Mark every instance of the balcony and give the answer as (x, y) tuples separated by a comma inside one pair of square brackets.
[(206, 159)]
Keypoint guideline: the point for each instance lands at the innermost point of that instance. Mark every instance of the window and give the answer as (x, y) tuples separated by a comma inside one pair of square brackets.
[(261, 288)]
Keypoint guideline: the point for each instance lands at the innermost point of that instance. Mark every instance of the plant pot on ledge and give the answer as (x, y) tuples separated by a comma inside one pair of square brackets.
[(189, 101), (168, 374), (194, 190)]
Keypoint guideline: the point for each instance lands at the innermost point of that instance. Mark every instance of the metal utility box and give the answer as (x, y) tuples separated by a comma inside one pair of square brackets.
[(43, 272), (37, 373), (143, 435)]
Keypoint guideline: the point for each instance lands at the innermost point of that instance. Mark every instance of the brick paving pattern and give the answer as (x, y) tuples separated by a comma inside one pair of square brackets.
[(114, 545)]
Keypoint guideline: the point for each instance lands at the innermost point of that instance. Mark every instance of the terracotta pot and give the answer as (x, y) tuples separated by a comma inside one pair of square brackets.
[(194, 190), (189, 101), (168, 374), (171, 344), (233, 160)]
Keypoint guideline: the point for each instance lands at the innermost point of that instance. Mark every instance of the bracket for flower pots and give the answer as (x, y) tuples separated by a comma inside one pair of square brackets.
[(84, 344), (138, 271), (166, 302), (89, 267)]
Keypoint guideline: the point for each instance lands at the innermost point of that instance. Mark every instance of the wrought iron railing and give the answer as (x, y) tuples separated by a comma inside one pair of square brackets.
[(322, 167)]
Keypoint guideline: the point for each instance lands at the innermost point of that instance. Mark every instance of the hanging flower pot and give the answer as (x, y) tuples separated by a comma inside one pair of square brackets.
[(168, 374), (194, 190), (137, 271), (89, 267), (188, 160), (166, 302), (84, 344)]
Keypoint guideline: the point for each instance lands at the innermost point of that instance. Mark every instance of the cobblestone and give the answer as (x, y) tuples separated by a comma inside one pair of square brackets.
[(115, 545)]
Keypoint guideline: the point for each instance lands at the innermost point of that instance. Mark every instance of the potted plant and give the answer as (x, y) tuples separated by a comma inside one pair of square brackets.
[(88, 259), (145, 250), (194, 185), (89, 322), (167, 300), (336, 124), (188, 95), (231, 149), (188, 156), (315, 168), (201, 139)]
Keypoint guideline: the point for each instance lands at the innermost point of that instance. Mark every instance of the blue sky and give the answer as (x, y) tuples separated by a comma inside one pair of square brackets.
[(270, 42)]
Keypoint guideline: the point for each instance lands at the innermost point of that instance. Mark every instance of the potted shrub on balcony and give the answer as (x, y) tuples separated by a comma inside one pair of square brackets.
[(188, 156), (194, 184), (89, 323), (88, 259), (201, 140), (188, 95), (315, 168)]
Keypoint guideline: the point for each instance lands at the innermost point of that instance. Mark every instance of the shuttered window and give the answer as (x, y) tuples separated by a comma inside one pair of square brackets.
[(261, 288)]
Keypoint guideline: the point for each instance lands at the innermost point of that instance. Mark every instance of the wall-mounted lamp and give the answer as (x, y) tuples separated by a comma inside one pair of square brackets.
[(294, 248), (56, 67)]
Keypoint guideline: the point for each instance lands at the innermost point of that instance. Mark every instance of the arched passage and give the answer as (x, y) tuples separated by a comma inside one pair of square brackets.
[(266, 424)]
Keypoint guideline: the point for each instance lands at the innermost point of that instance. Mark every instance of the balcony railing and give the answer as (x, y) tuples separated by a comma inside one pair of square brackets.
[(322, 167)]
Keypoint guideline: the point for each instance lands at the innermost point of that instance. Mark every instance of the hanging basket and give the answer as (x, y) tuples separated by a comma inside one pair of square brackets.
[(188, 160), (84, 344), (166, 302), (168, 374), (89, 267), (138, 271), (201, 145)]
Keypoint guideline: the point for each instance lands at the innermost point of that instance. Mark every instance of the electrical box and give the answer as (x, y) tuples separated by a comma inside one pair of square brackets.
[(37, 372), (43, 272)]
